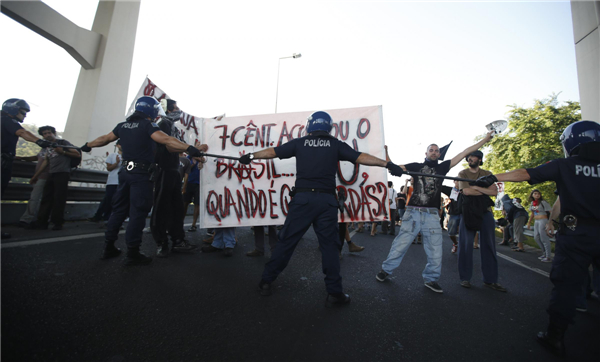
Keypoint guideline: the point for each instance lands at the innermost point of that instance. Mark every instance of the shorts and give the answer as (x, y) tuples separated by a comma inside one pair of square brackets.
[(453, 224), (192, 194)]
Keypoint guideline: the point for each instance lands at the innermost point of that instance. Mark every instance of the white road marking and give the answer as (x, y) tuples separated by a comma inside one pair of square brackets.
[(60, 238), (515, 261)]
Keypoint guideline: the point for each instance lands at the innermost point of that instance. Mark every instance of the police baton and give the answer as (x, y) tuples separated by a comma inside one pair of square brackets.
[(413, 173), (220, 156)]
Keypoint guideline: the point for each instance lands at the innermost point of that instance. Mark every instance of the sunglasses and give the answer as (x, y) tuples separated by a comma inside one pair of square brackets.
[(23, 112)]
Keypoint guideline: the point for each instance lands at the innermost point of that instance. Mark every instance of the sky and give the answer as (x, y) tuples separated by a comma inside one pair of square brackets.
[(440, 70)]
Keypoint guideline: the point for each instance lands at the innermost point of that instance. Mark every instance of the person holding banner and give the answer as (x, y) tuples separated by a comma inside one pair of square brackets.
[(139, 135), (168, 212), (314, 201), (422, 215)]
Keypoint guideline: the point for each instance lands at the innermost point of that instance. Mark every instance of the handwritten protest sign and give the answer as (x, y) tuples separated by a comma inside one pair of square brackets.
[(234, 195)]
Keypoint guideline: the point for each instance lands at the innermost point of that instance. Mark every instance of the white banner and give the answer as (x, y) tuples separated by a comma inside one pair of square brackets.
[(235, 195)]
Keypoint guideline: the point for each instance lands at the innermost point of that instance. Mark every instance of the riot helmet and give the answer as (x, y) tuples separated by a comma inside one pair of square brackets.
[(579, 133), (12, 106), (319, 121), (149, 106)]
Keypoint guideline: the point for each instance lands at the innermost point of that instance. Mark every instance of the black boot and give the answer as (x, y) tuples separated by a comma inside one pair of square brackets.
[(134, 257), (553, 340), (110, 251), (264, 288), (338, 299), (163, 250)]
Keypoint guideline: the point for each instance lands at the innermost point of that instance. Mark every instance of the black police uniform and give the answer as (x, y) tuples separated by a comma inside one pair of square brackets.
[(578, 182), (314, 204), (167, 214), (134, 193), (10, 126)]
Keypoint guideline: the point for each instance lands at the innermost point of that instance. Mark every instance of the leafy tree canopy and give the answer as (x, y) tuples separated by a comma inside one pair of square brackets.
[(531, 139)]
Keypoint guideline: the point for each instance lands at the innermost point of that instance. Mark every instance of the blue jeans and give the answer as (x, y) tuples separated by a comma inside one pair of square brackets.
[(224, 238), (487, 242), (413, 222)]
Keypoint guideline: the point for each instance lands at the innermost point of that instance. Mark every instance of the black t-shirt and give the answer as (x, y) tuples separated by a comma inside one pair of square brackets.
[(401, 203), (136, 142), (164, 158), (427, 190), (577, 181), (10, 126), (316, 159)]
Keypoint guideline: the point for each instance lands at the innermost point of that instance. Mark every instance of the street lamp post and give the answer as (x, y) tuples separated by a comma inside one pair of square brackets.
[(295, 55)]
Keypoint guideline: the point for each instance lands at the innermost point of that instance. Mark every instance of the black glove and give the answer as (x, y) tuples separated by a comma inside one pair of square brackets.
[(86, 148), (484, 181), (247, 158), (43, 143), (394, 169), (194, 152)]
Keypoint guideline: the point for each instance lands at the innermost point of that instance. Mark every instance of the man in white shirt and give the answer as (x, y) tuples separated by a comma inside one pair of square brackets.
[(392, 195), (113, 165)]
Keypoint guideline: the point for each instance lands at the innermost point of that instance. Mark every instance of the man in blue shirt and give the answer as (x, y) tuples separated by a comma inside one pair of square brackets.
[(315, 203)]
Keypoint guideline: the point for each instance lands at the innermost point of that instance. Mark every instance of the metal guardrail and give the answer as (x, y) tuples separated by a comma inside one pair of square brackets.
[(22, 191)]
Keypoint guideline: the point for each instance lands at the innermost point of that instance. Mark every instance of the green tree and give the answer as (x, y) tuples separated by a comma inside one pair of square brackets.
[(531, 139), (26, 148)]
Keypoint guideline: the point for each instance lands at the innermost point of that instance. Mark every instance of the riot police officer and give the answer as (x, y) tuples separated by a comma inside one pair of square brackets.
[(578, 238), (139, 135), (14, 111), (317, 155)]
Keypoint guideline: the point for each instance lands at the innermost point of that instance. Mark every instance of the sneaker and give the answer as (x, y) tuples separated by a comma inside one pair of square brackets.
[(434, 286), (264, 288), (335, 300), (454, 248), (465, 283), (255, 253), (228, 252), (210, 249), (581, 309), (546, 260), (134, 257), (495, 286), (57, 227), (541, 257), (163, 250), (381, 276), (183, 246)]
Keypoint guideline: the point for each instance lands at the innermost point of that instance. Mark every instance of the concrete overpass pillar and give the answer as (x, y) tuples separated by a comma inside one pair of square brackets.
[(100, 98), (586, 18)]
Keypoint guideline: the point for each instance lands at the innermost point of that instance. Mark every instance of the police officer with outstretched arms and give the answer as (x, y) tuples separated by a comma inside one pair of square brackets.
[(317, 155), (139, 135), (577, 178), (14, 111)]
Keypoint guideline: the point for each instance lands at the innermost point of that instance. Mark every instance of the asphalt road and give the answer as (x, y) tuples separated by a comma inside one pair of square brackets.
[(61, 303)]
